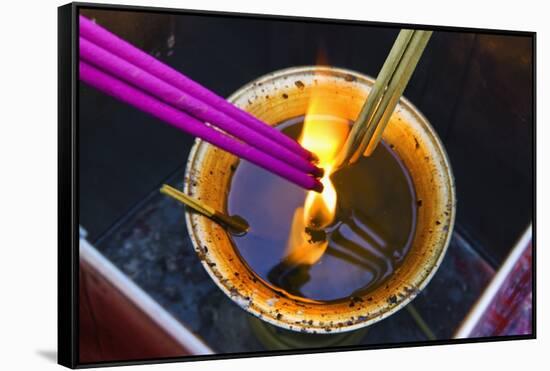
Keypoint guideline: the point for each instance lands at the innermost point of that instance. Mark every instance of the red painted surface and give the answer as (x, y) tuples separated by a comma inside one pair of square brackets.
[(510, 311), (112, 328)]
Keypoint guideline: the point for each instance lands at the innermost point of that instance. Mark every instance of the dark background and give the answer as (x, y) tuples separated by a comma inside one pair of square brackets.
[(474, 88)]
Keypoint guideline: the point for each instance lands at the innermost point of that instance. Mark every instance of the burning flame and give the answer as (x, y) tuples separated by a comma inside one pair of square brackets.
[(325, 131)]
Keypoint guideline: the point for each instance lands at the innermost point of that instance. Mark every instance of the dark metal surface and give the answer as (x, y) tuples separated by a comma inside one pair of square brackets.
[(152, 247)]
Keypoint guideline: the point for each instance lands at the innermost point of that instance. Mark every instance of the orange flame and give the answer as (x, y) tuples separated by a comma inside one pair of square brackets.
[(325, 131)]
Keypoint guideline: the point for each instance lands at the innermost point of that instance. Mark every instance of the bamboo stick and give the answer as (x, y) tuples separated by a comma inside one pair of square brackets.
[(403, 74), (386, 92), (369, 108)]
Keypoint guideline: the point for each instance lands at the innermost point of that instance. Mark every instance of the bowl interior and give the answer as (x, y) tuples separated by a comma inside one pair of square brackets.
[(283, 95)]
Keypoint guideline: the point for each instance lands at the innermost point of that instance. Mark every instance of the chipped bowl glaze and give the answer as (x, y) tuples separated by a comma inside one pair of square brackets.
[(285, 94)]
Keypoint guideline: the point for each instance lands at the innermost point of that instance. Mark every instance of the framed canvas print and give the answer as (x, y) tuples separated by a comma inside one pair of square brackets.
[(235, 185)]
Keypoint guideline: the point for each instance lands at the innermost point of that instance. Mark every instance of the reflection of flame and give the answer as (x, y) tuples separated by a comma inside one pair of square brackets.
[(325, 131)]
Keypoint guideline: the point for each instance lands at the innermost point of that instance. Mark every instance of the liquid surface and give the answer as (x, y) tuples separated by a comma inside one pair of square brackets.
[(372, 232)]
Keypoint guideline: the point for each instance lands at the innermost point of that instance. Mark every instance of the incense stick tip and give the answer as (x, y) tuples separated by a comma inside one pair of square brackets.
[(313, 158), (319, 172), (318, 187)]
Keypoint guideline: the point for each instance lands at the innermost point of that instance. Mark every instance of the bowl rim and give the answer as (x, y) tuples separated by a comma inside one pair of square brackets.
[(434, 138)]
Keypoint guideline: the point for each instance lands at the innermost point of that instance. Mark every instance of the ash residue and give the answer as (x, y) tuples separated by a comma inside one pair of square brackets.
[(316, 235)]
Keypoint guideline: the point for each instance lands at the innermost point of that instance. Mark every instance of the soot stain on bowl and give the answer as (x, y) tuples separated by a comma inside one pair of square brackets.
[(416, 144), (349, 77)]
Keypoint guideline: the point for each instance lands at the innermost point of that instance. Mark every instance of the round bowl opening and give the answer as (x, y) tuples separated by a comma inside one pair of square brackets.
[(283, 95)]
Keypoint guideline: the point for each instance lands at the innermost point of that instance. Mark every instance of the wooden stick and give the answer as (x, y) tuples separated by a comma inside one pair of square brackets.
[(235, 222), (375, 95), (386, 92), (420, 322), (402, 76)]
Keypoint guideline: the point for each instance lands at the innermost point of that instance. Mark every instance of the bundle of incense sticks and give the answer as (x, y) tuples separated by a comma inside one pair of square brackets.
[(384, 96), (127, 73)]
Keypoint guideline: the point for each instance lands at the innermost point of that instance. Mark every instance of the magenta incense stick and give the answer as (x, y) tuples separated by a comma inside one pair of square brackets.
[(150, 84), (135, 97), (100, 36)]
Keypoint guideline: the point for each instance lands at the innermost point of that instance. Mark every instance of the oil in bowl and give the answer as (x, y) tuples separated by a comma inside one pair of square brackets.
[(372, 230)]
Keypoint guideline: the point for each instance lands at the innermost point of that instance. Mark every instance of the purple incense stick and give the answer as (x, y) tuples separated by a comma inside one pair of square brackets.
[(100, 36), (124, 70), (135, 97)]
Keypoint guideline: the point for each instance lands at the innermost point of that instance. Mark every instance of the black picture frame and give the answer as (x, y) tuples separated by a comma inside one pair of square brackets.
[(68, 183)]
